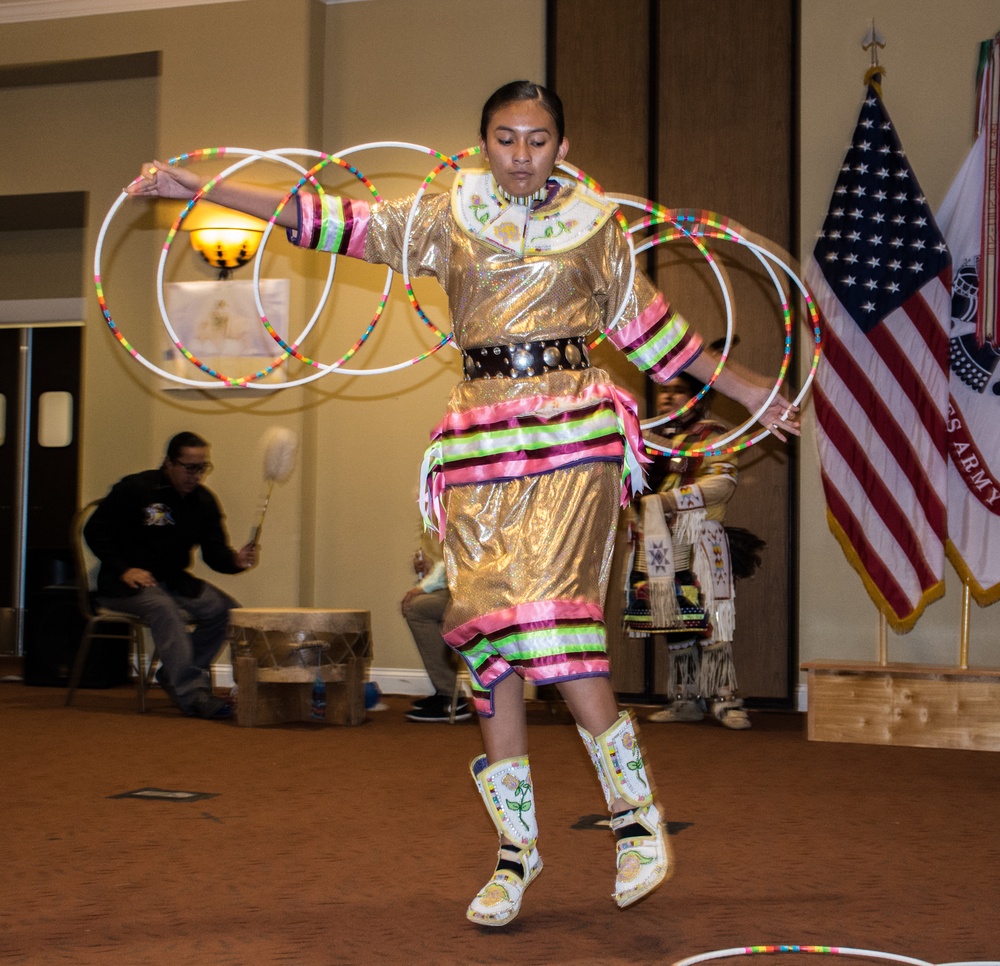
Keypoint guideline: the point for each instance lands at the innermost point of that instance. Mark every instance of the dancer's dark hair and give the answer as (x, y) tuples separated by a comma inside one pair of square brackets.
[(523, 91)]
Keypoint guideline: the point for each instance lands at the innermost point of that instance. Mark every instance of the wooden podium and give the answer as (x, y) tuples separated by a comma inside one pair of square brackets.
[(278, 654)]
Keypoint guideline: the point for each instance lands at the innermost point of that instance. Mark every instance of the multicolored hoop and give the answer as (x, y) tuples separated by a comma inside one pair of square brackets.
[(623, 224), (724, 287), (99, 286), (821, 950), (338, 366), (446, 162), (248, 381), (250, 157), (691, 224), (773, 253), (718, 445)]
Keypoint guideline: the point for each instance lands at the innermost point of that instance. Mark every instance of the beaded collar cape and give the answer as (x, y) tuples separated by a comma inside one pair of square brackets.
[(574, 214)]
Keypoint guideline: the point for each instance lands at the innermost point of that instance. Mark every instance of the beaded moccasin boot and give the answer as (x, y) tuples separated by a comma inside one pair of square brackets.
[(643, 853), (509, 798)]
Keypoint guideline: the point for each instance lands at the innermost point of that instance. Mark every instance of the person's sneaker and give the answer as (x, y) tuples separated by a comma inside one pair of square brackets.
[(430, 701), (677, 711), (206, 705), (437, 707)]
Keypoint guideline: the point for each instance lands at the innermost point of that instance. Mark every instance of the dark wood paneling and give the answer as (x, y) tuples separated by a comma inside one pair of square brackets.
[(725, 143), (715, 131), (39, 212), (599, 63)]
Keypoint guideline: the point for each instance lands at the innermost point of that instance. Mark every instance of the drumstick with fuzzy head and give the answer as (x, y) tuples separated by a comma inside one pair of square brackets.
[(281, 447)]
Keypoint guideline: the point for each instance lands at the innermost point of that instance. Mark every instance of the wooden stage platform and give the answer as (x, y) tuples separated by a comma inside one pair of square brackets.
[(916, 705)]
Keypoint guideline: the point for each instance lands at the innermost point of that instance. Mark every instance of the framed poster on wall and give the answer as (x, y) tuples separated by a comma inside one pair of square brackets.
[(218, 323)]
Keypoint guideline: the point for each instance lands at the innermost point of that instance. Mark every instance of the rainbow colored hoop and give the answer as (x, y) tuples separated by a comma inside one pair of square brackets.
[(585, 179), (820, 950), (718, 445), (695, 226), (338, 366), (248, 381), (98, 283), (250, 157), (446, 162), (724, 287)]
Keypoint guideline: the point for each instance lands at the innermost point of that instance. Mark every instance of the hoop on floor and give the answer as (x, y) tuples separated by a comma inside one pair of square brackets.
[(821, 950)]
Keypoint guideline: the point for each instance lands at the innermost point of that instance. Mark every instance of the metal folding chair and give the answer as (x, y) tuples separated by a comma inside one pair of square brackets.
[(97, 617)]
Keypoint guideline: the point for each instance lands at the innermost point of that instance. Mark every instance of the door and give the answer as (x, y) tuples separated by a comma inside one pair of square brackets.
[(39, 470)]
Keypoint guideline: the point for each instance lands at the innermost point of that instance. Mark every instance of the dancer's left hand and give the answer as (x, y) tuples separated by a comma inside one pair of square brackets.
[(781, 417)]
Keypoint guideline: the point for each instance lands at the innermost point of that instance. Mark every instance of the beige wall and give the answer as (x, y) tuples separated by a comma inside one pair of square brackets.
[(91, 137), (929, 91), (269, 73), (417, 72)]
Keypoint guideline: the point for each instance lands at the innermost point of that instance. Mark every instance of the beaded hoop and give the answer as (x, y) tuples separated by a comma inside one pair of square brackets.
[(338, 366), (705, 224), (821, 950), (98, 283)]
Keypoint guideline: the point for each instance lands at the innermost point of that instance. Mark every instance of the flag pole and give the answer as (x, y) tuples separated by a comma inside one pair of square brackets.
[(963, 640), (883, 640)]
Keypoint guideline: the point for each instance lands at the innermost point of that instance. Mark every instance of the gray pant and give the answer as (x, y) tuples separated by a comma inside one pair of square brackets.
[(185, 656), (424, 614)]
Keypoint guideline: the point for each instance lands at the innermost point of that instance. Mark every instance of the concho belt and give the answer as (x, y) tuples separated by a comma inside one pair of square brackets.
[(526, 358)]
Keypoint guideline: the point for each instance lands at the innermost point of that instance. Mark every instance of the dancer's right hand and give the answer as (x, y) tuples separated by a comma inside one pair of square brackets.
[(161, 180)]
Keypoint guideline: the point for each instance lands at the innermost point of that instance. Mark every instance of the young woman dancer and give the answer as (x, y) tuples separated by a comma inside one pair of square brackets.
[(531, 462)]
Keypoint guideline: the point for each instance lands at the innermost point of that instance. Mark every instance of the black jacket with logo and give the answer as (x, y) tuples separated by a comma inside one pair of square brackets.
[(144, 522)]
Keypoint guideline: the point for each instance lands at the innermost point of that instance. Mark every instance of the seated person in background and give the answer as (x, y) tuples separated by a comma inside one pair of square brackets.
[(691, 607), (423, 606), (143, 533)]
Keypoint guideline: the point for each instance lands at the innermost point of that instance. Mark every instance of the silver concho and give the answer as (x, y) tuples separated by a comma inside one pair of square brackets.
[(521, 359), (470, 367), (573, 355), (551, 356)]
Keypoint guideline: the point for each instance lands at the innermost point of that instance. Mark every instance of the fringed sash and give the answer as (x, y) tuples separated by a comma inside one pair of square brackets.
[(526, 437)]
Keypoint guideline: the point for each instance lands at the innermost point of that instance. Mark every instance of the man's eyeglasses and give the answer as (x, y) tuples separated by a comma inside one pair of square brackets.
[(194, 469)]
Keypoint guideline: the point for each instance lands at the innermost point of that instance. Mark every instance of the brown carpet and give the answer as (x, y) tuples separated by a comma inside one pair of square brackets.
[(364, 845)]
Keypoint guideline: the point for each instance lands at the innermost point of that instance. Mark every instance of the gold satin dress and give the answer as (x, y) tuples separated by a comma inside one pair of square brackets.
[(528, 554)]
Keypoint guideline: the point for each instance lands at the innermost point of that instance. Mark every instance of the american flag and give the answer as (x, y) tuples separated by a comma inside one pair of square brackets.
[(881, 273)]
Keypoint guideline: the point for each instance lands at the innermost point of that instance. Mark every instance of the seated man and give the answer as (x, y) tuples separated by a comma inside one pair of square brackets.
[(423, 606), (143, 532)]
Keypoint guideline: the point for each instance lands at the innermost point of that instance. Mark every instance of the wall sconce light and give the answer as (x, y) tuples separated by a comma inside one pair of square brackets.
[(225, 239)]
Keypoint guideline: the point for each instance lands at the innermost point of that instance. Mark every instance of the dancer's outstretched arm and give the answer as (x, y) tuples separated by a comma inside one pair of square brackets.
[(160, 180), (780, 417)]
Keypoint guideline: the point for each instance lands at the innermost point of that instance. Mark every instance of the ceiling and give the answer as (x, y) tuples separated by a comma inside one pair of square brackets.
[(20, 11)]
